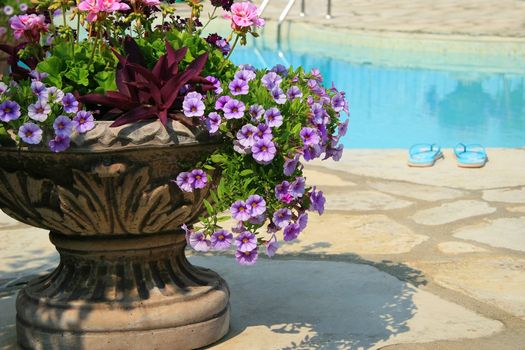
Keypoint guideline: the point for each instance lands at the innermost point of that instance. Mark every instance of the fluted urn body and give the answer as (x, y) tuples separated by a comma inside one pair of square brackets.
[(123, 281)]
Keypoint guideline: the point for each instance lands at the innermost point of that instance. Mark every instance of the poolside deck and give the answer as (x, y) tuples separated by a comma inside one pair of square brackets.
[(402, 259), (480, 18)]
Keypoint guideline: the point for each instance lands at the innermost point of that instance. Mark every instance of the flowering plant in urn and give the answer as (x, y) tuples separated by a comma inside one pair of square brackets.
[(126, 123), (269, 121)]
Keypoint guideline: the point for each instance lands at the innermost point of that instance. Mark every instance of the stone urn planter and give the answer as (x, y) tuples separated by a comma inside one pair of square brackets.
[(123, 281)]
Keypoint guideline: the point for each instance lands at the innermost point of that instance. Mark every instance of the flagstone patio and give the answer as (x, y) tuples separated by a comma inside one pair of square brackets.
[(402, 259)]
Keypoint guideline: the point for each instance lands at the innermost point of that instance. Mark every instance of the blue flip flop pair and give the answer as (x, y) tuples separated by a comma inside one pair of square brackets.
[(467, 156)]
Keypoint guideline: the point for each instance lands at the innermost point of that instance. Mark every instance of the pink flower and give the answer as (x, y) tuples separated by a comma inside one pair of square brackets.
[(243, 15), (151, 2), (94, 7), (28, 26)]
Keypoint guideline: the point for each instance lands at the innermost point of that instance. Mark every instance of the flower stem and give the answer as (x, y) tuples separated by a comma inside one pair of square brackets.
[(94, 45), (209, 19), (229, 54)]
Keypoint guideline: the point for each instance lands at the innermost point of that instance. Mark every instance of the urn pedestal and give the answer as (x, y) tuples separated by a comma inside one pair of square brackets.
[(123, 281)]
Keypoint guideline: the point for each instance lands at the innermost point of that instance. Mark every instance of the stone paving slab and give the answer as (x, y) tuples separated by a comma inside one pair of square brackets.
[(419, 192), (364, 201), (505, 195), (454, 211), (355, 234), (505, 233), (499, 281), (330, 305), (455, 248)]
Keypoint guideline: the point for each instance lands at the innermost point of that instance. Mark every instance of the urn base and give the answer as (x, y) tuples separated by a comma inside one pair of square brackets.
[(127, 292)]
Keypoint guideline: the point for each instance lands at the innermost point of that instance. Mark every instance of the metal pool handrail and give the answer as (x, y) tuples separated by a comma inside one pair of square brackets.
[(283, 16)]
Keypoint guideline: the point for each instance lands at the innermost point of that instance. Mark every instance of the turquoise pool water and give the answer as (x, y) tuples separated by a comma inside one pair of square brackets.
[(397, 107)]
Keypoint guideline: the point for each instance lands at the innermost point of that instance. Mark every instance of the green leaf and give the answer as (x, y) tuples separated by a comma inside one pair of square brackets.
[(106, 80), (208, 167), (208, 206), (54, 67), (246, 172), (220, 189), (79, 75), (297, 128), (223, 218), (218, 158)]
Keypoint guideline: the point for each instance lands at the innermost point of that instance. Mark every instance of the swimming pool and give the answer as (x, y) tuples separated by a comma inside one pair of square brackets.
[(395, 107)]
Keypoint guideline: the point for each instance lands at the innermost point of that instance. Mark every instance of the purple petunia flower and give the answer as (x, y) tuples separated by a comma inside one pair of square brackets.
[(311, 152), (38, 76), (8, 10), (280, 69), (290, 165), (59, 143), (39, 110), (40, 90), (256, 111), (338, 102), (309, 136), (23, 7), (246, 242), (200, 178), (293, 93), (240, 211), (199, 242), (237, 147), (192, 107), (213, 122), (317, 201), (234, 109), (271, 80), (221, 240), (9, 110), (342, 128), (257, 220), (3, 88), (271, 246), (246, 135), (278, 95), (216, 83), (302, 220), (263, 151), (245, 74), (83, 122), (335, 153), (263, 133), (282, 217), (316, 74), (318, 113), (221, 101), (30, 133), (63, 126), (223, 45), (239, 87), (273, 117), (239, 228), (297, 187), (55, 95), (291, 232), (185, 181), (246, 258), (247, 66), (282, 192), (70, 103), (257, 205)]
